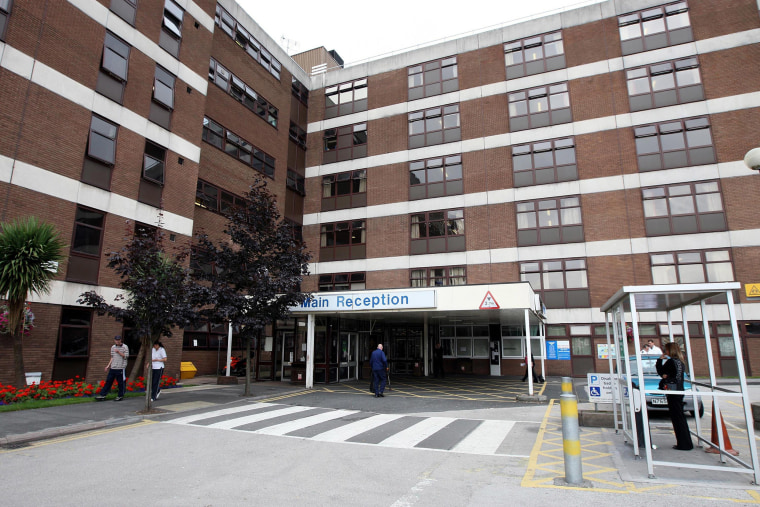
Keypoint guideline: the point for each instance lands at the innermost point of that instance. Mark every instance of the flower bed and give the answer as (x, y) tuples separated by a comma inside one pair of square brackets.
[(72, 388)]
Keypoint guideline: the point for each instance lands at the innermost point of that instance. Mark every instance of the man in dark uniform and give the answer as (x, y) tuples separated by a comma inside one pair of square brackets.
[(379, 364)]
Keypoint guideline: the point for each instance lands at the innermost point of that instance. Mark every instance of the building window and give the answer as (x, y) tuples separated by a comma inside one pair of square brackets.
[(247, 42), (114, 64), (241, 92), (549, 221), (125, 9), (539, 107), (692, 267), (345, 143), (680, 143), (438, 277), (685, 208), (433, 78), (434, 126), (344, 190), (343, 240), (299, 91), (297, 135), (436, 177), (171, 28), (208, 336), (534, 55), (664, 84), (74, 333), (214, 199), (561, 283), (465, 341), (437, 231), (295, 182), (153, 166), (84, 258), (342, 281), (163, 98), (101, 144), (513, 342), (655, 28), (5, 11), (237, 147), (346, 98), (544, 162)]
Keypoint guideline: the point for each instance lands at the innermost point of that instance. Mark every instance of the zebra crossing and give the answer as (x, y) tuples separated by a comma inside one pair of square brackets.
[(459, 435)]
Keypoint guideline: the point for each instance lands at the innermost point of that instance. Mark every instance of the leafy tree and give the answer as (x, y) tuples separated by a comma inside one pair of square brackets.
[(158, 292), (254, 275), (29, 253)]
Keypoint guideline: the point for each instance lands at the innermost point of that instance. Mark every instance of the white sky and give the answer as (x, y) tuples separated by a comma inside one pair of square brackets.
[(358, 33)]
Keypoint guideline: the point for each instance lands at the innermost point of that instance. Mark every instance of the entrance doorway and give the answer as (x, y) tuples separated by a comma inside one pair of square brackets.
[(347, 357)]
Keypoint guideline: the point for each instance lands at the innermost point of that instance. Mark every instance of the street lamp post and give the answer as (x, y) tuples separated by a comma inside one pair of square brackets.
[(752, 159)]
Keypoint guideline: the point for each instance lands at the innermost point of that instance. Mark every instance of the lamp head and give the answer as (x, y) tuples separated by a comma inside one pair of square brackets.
[(752, 159)]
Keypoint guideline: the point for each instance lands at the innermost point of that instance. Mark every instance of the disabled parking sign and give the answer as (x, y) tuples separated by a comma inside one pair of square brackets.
[(600, 388)]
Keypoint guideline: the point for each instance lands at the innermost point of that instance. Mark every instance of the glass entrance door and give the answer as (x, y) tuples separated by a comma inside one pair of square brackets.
[(347, 357)]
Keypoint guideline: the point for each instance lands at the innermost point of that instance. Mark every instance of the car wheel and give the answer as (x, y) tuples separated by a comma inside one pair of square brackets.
[(701, 411)]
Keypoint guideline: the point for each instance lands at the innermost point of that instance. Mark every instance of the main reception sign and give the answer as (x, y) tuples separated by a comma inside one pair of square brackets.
[(363, 301)]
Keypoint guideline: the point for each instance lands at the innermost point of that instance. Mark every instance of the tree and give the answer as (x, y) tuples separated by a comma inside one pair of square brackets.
[(254, 275), (29, 254), (158, 292)]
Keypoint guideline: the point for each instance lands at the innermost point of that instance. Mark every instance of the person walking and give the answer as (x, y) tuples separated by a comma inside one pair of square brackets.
[(116, 369), (533, 369), (438, 361), (158, 363), (379, 364), (670, 367)]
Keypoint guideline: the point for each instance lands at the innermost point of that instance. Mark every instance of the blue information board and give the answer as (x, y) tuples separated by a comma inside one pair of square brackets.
[(558, 349)]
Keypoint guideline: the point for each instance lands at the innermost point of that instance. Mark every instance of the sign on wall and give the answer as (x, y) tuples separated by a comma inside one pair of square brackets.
[(363, 301), (558, 350)]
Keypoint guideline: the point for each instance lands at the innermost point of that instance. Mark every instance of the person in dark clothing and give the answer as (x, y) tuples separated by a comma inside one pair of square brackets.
[(438, 361), (379, 364), (533, 365), (670, 367)]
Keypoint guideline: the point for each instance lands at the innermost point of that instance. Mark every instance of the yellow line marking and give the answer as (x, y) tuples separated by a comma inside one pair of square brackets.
[(290, 395), (78, 436)]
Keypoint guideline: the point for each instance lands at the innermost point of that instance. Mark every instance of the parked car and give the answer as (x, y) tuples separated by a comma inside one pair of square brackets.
[(652, 381)]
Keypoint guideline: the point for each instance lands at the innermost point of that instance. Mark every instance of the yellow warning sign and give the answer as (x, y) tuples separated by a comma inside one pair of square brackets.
[(752, 290)]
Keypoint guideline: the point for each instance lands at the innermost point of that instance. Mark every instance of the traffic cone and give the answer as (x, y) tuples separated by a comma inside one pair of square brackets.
[(714, 439)]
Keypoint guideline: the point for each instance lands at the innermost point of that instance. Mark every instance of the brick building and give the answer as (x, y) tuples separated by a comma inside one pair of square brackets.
[(579, 152)]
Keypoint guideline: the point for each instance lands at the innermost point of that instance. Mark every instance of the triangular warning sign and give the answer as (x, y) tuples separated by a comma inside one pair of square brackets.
[(755, 291), (489, 303)]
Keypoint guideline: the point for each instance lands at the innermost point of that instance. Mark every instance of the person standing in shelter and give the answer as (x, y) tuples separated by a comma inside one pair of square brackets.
[(116, 369), (438, 361), (158, 363), (533, 369), (379, 364), (670, 367)]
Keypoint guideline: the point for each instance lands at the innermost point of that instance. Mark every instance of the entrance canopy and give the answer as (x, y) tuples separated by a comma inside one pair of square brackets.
[(625, 307)]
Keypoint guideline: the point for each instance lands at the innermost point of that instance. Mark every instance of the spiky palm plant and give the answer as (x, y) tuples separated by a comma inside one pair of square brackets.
[(29, 253)]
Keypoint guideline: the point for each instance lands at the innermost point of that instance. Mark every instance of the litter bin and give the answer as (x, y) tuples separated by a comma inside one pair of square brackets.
[(187, 370)]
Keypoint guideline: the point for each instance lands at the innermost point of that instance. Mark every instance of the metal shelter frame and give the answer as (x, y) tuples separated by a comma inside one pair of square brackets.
[(630, 301)]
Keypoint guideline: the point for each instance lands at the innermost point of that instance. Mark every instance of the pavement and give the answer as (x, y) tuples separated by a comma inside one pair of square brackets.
[(609, 464)]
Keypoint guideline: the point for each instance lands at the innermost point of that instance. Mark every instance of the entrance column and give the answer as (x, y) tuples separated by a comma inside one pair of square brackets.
[(425, 344), (310, 351)]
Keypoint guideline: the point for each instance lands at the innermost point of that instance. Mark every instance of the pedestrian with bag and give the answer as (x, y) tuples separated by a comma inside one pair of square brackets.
[(379, 364), (158, 361), (670, 366), (116, 369)]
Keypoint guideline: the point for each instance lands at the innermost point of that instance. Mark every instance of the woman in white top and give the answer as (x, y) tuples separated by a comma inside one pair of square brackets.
[(159, 359)]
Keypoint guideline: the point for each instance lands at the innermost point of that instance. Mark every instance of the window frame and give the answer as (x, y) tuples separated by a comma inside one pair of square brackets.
[(295, 182), (259, 160), (243, 93), (659, 259), (342, 104), (536, 207), (120, 45), (521, 105), (163, 78), (247, 42), (678, 34), (357, 190), (155, 148), (330, 282), (345, 143), (422, 78), (655, 90), (531, 46), (428, 277), (540, 273), (5, 13), (448, 184), (665, 158), (113, 140), (551, 173), (450, 227), (422, 129), (85, 230), (663, 197), (62, 327), (330, 232), (216, 204)]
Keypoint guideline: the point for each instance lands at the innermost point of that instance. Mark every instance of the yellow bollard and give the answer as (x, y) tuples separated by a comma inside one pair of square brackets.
[(571, 440), (567, 385)]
